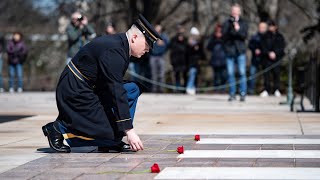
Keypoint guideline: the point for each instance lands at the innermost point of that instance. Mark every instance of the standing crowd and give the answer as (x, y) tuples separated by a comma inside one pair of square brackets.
[(227, 47)]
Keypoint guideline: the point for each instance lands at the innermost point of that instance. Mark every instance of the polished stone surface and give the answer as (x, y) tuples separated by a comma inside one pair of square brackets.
[(164, 123)]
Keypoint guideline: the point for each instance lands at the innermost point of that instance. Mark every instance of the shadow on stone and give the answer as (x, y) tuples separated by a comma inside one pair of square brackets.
[(46, 150), (212, 99), (8, 118), (87, 149)]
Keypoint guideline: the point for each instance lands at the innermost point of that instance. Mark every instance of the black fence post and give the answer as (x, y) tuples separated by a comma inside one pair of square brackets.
[(317, 85)]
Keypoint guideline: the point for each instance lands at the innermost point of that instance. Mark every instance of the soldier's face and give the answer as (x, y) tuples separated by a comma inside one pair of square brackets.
[(139, 46)]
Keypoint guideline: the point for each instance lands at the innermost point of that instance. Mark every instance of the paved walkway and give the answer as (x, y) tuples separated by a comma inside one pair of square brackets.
[(234, 137)]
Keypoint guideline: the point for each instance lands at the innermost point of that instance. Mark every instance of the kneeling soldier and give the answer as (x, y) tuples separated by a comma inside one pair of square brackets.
[(96, 107)]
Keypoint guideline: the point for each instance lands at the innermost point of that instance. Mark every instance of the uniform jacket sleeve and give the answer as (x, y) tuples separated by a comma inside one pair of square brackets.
[(113, 64)]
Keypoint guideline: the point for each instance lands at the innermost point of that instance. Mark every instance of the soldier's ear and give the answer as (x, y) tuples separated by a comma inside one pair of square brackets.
[(134, 37)]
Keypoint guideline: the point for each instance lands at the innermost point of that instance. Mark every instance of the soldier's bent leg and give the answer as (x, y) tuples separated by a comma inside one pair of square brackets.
[(133, 93), (74, 139)]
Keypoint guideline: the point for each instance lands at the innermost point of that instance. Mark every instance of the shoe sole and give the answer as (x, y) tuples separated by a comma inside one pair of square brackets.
[(108, 150), (103, 150), (45, 132)]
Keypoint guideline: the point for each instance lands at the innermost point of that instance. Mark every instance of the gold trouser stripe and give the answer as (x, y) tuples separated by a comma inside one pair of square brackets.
[(124, 120), (79, 71), (75, 73), (70, 135)]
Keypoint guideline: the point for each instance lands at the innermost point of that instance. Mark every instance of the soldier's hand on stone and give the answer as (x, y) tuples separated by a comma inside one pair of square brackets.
[(134, 140)]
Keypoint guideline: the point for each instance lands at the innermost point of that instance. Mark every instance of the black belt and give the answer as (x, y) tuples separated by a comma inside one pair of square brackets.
[(79, 75)]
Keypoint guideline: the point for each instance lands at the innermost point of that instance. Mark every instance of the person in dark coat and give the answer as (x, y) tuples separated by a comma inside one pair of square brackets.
[(235, 31), (255, 47), (218, 57), (178, 52), (142, 68), (96, 107), (110, 29), (2, 52), (195, 53), (273, 45), (17, 54), (79, 33), (157, 60)]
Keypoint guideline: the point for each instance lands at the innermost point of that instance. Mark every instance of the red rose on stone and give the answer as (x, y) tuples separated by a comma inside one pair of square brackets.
[(155, 168), (197, 137), (180, 150)]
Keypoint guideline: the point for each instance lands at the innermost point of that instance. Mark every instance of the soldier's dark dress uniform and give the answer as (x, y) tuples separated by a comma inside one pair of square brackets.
[(91, 86), (95, 105)]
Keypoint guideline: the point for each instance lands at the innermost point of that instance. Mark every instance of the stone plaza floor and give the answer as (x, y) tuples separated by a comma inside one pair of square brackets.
[(257, 139)]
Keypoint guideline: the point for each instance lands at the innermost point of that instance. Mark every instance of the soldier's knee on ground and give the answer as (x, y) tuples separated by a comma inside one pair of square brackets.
[(132, 89)]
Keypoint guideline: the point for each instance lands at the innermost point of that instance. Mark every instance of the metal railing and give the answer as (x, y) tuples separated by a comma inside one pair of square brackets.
[(309, 83)]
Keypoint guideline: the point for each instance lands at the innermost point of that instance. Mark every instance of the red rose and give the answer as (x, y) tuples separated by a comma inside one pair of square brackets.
[(180, 149), (197, 137), (155, 168)]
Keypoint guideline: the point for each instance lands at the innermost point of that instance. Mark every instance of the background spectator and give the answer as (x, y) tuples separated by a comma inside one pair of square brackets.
[(44, 24), (255, 47), (141, 66), (218, 57), (17, 54), (110, 29), (195, 53), (234, 32), (79, 33), (157, 61), (2, 51), (178, 47), (273, 45)]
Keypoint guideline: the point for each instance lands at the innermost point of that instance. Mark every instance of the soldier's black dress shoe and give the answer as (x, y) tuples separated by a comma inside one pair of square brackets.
[(122, 147), (55, 138)]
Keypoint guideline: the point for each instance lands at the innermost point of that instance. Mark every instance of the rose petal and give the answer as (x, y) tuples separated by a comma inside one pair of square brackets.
[(197, 137), (180, 149), (155, 168)]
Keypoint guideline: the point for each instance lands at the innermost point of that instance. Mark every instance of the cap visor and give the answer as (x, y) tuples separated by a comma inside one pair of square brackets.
[(150, 43)]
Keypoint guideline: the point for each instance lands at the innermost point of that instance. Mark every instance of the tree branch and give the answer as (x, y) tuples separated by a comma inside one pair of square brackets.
[(302, 9), (170, 12)]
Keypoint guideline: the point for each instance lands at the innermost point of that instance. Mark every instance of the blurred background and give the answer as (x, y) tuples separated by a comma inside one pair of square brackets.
[(43, 24)]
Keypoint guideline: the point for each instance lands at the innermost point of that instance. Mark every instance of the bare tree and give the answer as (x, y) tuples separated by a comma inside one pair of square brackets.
[(298, 21)]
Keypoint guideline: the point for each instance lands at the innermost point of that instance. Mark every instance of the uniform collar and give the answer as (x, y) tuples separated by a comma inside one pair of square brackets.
[(128, 44), (125, 43)]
